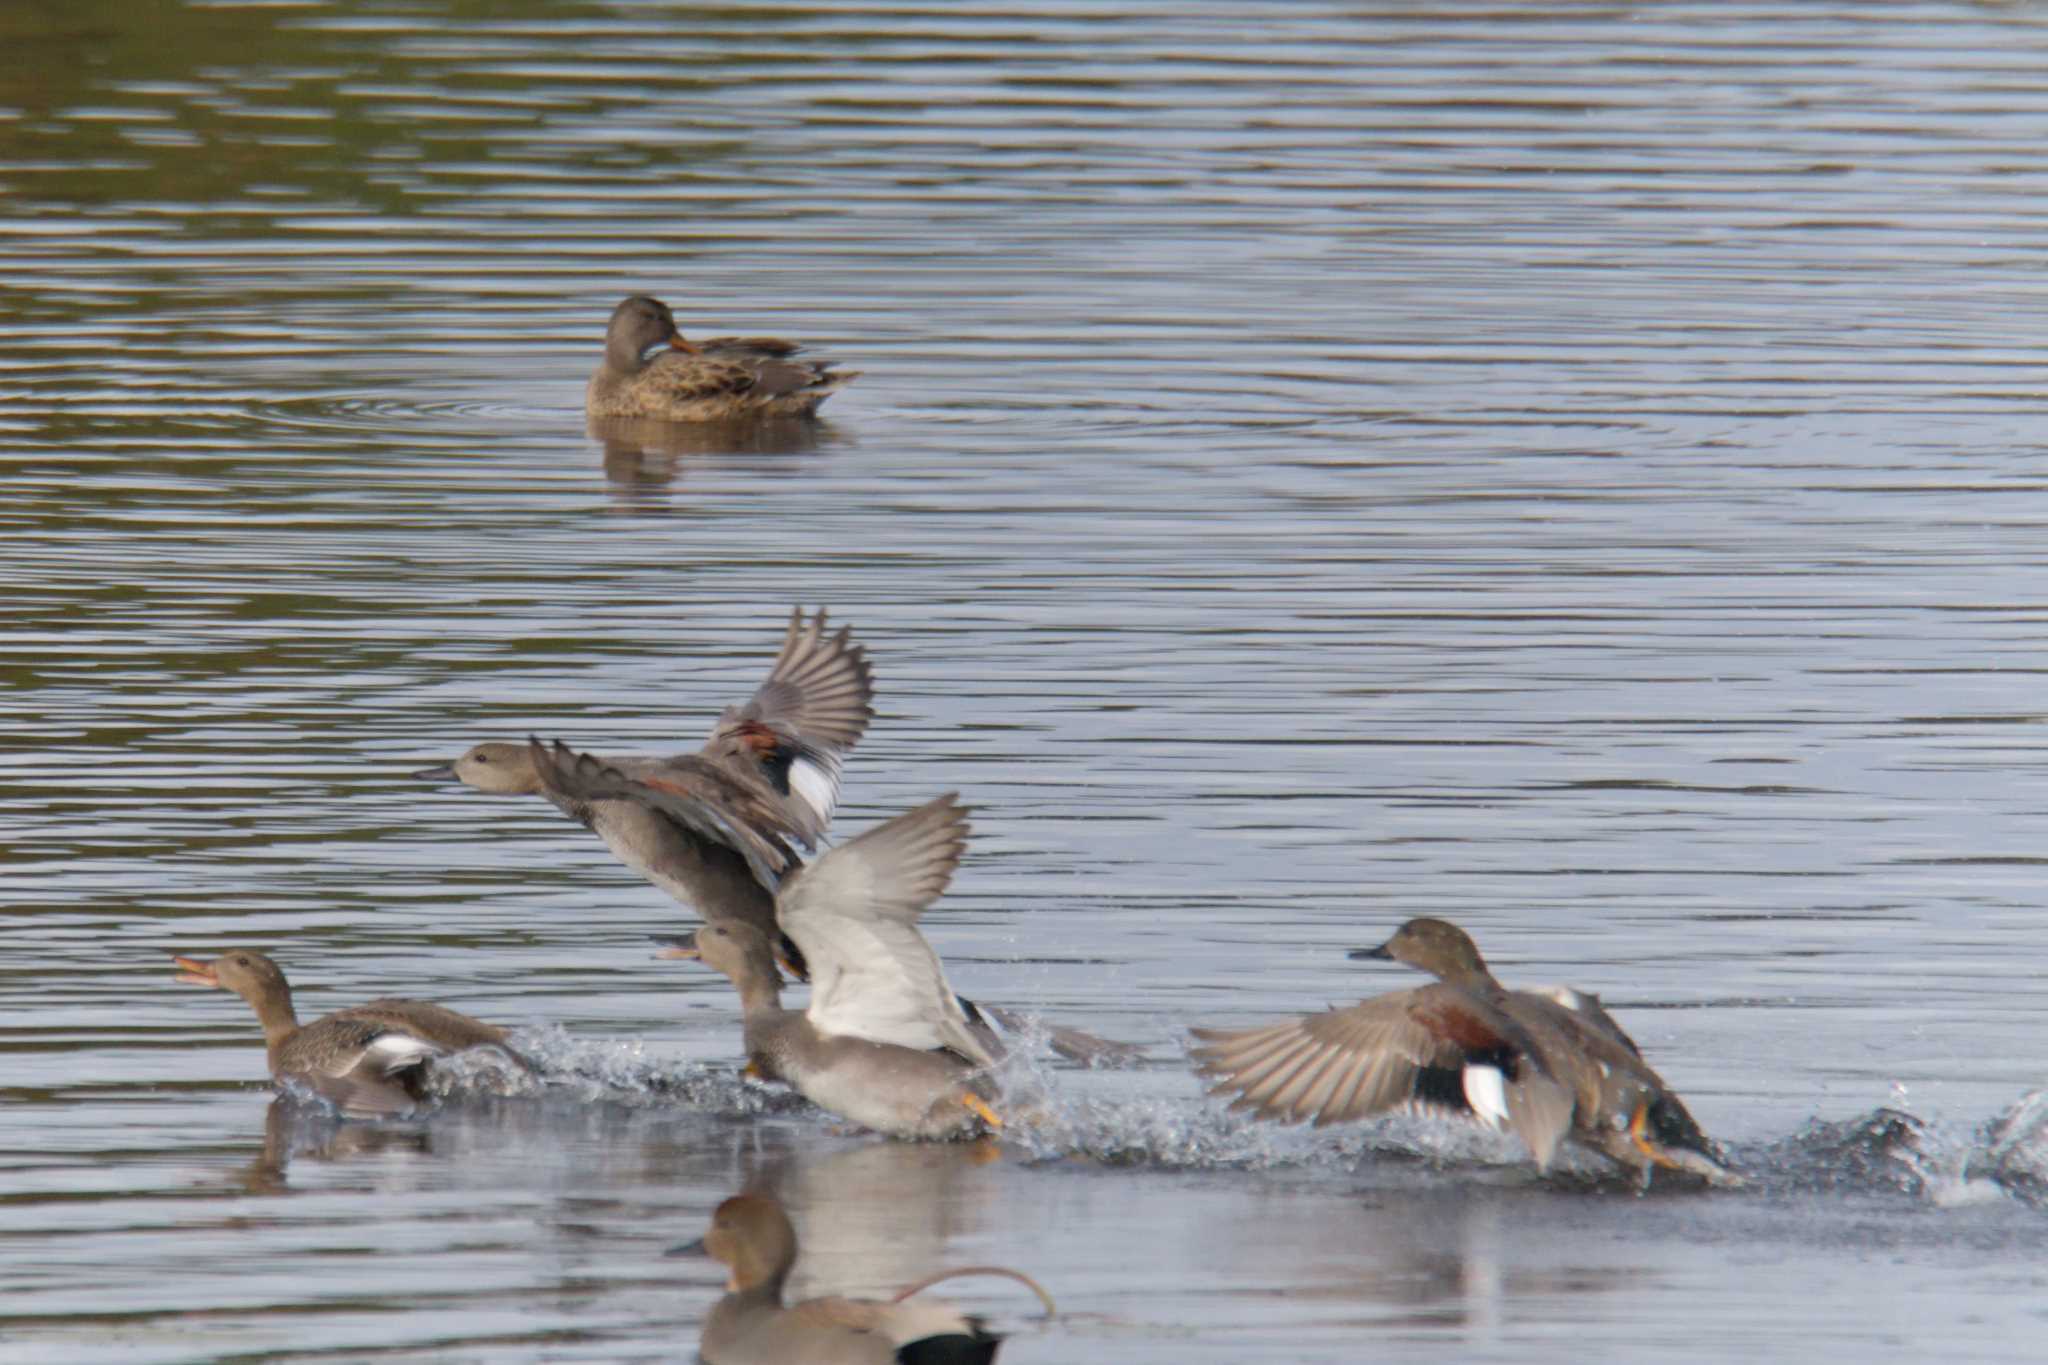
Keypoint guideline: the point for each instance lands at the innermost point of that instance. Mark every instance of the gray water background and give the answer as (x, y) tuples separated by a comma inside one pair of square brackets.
[(1573, 469)]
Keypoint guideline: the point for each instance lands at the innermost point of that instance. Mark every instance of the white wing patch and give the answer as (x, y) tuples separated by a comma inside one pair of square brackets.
[(817, 786), (1486, 1092), (393, 1052)]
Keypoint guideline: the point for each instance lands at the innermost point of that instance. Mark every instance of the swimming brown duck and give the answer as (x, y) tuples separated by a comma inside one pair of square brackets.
[(733, 814), (369, 1061), (884, 1041), (755, 1240), (1545, 1065), (649, 370)]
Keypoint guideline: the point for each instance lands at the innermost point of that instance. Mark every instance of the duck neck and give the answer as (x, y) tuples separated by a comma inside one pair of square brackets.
[(759, 984), (760, 996), (273, 1006)]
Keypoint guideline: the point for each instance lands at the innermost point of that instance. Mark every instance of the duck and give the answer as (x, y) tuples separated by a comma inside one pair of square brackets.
[(1545, 1065), (764, 785), (753, 1237), (649, 370), (369, 1061), (884, 1041)]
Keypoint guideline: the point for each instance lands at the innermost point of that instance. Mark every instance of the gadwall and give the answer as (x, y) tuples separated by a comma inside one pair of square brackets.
[(1544, 1065), (755, 1240), (884, 1042), (650, 371), (368, 1061), (765, 783)]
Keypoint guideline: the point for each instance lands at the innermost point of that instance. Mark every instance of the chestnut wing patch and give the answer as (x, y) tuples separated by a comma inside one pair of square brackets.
[(1479, 1039)]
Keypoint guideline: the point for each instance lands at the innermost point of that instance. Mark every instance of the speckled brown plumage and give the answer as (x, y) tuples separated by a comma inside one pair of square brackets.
[(649, 370), (368, 1061)]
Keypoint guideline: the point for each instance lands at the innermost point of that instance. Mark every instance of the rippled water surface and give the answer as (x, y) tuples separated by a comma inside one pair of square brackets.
[(1576, 470)]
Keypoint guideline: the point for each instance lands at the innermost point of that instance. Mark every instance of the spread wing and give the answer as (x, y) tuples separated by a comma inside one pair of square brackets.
[(1431, 1050), (708, 801), (796, 729), (854, 914)]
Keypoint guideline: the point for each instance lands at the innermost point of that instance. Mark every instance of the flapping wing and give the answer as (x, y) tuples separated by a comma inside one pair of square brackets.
[(1334, 1066), (854, 914), (705, 800), (797, 728), (1432, 1050)]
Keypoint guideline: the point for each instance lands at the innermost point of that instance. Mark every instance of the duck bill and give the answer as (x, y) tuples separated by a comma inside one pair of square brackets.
[(676, 342), (695, 1248), (193, 972), (1379, 954), (444, 773), (682, 947)]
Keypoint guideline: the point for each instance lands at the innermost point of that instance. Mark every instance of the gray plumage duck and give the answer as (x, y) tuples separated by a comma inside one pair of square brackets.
[(369, 1061), (717, 829), (751, 1325), (1545, 1065), (649, 370), (884, 1041)]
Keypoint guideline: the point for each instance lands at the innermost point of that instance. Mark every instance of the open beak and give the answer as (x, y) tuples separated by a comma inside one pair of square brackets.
[(683, 946), (193, 972), (1379, 954), (444, 773)]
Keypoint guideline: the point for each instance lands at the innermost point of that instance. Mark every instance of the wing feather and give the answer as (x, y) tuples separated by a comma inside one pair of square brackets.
[(854, 912), (797, 728), (708, 802), (1404, 1051)]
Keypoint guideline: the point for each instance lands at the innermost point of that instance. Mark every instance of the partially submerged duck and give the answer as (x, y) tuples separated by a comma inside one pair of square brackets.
[(649, 370), (369, 1061), (1544, 1065), (736, 812), (884, 1041), (755, 1240)]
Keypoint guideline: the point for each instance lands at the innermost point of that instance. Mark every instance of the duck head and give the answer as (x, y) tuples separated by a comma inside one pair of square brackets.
[(503, 769), (250, 975), (754, 1239), (1435, 946), (740, 951), (641, 329)]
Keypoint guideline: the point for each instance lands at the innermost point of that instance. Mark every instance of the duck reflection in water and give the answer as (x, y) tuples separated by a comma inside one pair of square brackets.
[(296, 1127), (643, 457), (756, 1240)]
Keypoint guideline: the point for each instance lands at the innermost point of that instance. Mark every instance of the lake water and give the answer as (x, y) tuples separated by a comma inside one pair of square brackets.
[(1575, 470)]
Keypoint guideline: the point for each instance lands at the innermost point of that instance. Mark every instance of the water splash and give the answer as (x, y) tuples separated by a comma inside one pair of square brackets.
[(2014, 1155)]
